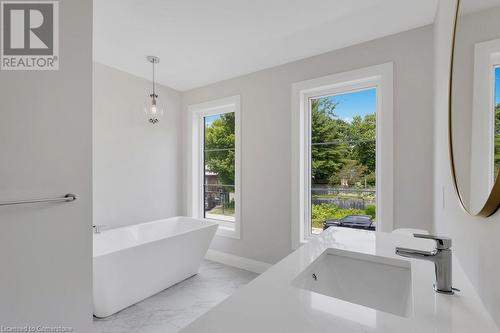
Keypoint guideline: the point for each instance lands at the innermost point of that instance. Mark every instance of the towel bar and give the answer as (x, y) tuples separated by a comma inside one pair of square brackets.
[(67, 198)]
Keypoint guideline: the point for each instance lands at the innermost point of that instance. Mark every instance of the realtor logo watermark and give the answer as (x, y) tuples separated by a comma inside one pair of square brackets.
[(29, 35)]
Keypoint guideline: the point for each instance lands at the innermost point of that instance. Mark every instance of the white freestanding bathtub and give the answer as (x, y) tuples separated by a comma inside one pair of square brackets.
[(134, 262)]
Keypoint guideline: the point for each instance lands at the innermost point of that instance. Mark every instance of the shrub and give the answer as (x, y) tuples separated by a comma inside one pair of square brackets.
[(229, 204), (371, 210), (322, 212)]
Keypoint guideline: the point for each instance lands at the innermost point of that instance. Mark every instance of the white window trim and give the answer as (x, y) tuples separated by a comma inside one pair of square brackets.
[(380, 77), (198, 112)]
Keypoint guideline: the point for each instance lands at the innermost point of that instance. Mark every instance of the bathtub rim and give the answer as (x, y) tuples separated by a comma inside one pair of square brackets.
[(206, 224)]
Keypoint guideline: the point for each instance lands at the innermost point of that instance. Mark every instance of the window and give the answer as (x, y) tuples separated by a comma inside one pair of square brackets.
[(216, 164), (485, 125), (342, 151), (343, 159), (218, 167), (496, 122)]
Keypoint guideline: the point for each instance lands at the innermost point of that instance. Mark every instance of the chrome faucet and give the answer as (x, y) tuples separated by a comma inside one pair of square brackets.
[(97, 228), (441, 257)]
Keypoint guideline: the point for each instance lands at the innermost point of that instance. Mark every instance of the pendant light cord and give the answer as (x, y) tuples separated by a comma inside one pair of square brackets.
[(154, 93)]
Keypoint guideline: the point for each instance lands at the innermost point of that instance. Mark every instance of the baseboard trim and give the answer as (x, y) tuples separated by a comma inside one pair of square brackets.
[(238, 262)]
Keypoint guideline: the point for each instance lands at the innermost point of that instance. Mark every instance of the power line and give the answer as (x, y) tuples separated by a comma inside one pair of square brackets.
[(219, 149), (336, 142)]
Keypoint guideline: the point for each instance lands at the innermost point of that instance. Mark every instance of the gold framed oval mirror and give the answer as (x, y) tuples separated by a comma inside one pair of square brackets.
[(474, 106)]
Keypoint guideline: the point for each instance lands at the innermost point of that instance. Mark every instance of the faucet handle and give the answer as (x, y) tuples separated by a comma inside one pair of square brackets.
[(442, 243)]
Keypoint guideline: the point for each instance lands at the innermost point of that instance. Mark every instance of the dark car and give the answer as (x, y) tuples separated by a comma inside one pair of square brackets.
[(352, 221), (211, 202)]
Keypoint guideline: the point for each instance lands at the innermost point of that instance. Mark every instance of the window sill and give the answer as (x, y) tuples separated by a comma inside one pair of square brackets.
[(303, 241), (226, 229)]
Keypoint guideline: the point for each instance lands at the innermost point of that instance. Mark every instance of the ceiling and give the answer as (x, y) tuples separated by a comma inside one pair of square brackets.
[(205, 41)]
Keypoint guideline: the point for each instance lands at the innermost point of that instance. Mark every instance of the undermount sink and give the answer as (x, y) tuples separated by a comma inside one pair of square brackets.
[(376, 282)]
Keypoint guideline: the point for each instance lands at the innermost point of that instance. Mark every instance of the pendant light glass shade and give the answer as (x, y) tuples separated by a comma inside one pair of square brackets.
[(152, 107)]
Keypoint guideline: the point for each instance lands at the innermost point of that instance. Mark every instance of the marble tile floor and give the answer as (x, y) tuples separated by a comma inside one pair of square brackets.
[(174, 308)]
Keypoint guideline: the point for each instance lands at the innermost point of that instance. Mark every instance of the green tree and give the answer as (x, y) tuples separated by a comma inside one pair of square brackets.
[(363, 134), (336, 142), (351, 173), (328, 138), (370, 179), (219, 148)]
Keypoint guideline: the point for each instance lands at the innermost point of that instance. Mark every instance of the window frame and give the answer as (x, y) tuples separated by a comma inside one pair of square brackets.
[(198, 113), (486, 59), (379, 77)]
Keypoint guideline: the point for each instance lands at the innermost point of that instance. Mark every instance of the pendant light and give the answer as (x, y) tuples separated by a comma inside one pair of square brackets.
[(152, 108)]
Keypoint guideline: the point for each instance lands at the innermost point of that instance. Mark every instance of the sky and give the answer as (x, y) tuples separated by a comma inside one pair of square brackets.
[(497, 85), (359, 103), (210, 119)]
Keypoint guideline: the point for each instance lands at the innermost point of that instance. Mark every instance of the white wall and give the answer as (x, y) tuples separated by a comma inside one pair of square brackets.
[(266, 134), (136, 164), (45, 151), (475, 240)]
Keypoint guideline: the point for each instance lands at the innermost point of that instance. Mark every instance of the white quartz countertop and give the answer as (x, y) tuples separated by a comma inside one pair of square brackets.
[(270, 303)]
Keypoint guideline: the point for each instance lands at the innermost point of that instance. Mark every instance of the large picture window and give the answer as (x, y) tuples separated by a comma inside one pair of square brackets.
[(219, 167), (343, 160), (342, 152), (216, 163)]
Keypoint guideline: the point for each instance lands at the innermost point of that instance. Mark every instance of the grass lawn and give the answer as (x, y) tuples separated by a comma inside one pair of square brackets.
[(228, 211)]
